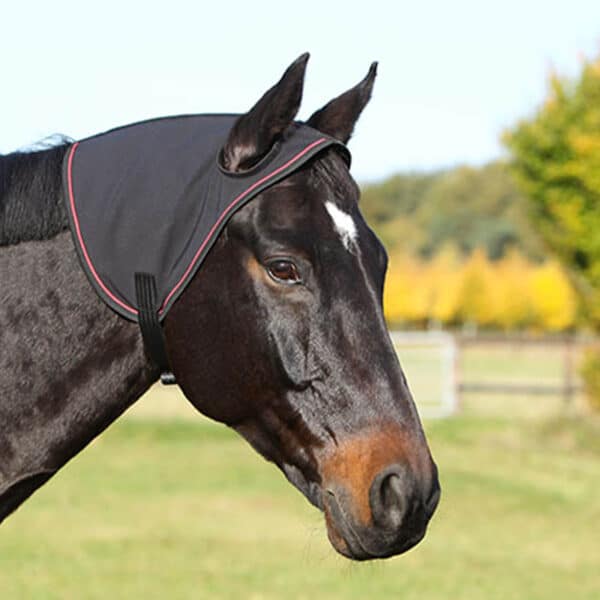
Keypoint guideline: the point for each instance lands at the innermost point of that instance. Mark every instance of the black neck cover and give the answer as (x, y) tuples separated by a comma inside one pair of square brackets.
[(147, 201)]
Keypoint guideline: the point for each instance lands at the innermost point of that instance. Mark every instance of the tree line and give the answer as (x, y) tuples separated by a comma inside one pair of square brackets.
[(470, 207)]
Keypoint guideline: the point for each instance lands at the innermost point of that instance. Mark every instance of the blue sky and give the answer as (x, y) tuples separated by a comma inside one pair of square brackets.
[(452, 75)]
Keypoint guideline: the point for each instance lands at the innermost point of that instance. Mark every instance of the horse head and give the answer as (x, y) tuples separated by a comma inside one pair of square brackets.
[(281, 336)]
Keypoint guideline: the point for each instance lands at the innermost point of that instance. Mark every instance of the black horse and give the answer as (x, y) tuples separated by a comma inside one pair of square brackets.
[(280, 335)]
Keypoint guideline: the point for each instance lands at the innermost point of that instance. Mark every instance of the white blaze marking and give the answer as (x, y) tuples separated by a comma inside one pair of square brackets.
[(343, 223)]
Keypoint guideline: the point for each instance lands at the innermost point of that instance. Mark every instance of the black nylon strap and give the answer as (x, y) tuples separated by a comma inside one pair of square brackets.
[(152, 333)]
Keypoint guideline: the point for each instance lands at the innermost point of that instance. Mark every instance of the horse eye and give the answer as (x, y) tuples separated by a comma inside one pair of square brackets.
[(283, 271)]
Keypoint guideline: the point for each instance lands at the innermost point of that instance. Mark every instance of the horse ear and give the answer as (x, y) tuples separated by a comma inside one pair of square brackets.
[(255, 132), (338, 117)]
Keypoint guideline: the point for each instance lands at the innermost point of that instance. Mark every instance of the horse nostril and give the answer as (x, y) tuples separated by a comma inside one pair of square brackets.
[(393, 503), (388, 497)]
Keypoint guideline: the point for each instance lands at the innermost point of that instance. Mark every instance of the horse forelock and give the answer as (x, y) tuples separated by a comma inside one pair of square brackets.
[(330, 169)]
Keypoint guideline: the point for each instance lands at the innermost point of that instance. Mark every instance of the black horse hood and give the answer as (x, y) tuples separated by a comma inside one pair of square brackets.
[(152, 198)]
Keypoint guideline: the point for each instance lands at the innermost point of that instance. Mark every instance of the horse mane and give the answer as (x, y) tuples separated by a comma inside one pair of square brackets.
[(31, 205)]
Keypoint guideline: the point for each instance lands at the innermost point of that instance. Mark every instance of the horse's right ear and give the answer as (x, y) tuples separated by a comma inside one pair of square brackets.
[(255, 132), (338, 117)]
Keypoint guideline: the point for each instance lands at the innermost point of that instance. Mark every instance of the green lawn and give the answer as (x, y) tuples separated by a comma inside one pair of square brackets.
[(182, 508)]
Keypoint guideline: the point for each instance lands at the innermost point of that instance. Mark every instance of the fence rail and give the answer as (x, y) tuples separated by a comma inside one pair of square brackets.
[(567, 385), (518, 388), (490, 364)]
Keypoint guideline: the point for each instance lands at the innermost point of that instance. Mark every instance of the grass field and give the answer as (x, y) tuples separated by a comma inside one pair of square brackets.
[(171, 507)]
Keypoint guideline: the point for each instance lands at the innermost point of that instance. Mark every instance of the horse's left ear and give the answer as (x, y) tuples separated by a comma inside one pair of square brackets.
[(338, 117), (255, 132)]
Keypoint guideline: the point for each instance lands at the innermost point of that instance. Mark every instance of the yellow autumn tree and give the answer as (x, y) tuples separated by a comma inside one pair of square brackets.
[(477, 302), (446, 276), (553, 299), (511, 293), (411, 290), (401, 294)]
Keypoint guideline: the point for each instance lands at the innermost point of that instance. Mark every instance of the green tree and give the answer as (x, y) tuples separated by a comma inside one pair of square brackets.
[(469, 207), (390, 208), (556, 159), (477, 208)]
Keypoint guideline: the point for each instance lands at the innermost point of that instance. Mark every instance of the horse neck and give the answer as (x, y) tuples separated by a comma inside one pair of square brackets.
[(68, 365)]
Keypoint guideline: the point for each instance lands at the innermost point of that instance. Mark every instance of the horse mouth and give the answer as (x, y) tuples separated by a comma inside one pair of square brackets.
[(357, 542), (346, 540)]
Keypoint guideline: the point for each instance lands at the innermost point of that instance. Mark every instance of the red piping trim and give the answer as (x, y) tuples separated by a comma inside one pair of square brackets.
[(80, 237), (232, 205)]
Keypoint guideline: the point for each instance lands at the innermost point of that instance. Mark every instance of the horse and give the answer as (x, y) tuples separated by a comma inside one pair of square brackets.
[(280, 335)]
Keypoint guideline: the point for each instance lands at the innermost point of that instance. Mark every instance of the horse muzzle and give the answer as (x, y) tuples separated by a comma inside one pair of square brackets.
[(399, 515), (378, 499)]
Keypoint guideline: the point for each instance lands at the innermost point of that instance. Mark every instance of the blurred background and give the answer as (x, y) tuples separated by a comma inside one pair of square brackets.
[(479, 163)]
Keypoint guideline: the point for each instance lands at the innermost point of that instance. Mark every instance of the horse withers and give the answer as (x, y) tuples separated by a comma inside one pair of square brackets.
[(279, 333)]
